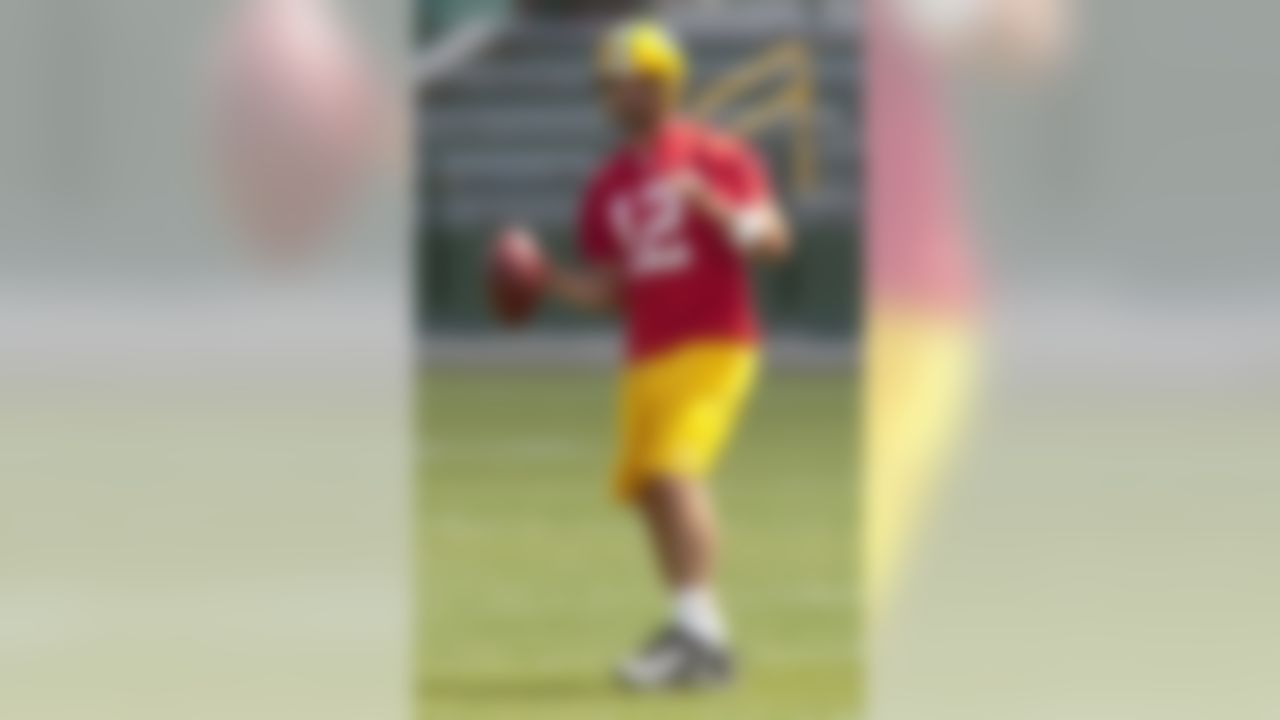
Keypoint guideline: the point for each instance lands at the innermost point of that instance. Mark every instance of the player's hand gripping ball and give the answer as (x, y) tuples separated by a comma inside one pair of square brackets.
[(518, 275)]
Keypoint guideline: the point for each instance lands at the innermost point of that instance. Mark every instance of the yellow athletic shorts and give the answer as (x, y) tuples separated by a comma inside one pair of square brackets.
[(918, 379), (677, 411)]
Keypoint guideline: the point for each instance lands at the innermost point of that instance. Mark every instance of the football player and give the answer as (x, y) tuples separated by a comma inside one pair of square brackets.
[(669, 225)]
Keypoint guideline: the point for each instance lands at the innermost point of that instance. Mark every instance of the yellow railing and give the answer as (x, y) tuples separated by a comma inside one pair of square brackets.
[(794, 103)]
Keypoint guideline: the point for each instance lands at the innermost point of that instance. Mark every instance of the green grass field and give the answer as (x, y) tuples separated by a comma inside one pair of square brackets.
[(533, 582)]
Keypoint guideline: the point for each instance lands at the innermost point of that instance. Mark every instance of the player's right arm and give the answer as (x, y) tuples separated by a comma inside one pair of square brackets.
[(593, 289), (595, 285)]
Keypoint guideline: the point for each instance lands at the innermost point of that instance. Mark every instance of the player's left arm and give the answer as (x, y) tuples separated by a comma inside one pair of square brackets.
[(756, 226), (731, 188)]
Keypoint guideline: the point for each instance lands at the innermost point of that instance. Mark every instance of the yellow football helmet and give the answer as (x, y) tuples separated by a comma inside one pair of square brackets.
[(642, 48)]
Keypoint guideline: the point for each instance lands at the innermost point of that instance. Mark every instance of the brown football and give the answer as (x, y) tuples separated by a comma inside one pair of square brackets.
[(517, 275)]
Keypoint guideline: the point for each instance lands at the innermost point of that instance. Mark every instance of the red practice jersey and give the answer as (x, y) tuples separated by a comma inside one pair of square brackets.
[(682, 278)]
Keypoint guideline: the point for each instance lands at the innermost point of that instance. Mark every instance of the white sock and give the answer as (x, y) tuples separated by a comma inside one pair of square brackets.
[(698, 613)]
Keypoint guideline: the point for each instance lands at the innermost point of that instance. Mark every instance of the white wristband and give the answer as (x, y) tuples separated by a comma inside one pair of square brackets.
[(750, 227)]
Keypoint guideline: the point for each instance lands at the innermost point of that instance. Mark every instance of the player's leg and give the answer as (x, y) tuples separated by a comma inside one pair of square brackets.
[(691, 650), (683, 531), (682, 527), (694, 398)]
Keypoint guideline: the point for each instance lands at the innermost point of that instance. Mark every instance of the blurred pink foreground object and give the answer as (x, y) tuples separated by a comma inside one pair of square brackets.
[(297, 119), (918, 251)]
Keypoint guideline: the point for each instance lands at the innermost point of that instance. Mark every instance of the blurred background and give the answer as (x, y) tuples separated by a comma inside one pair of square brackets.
[(1106, 547), (509, 130), (203, 470), (203, 462)]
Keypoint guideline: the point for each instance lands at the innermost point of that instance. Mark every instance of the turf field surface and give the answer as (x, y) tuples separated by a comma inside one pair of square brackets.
[(533, 582)]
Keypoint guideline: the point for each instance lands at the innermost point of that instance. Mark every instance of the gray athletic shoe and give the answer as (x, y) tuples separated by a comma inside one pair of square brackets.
[(676, 660)]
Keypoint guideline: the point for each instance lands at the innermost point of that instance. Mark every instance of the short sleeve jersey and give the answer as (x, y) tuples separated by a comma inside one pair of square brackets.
[(682, 279)]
